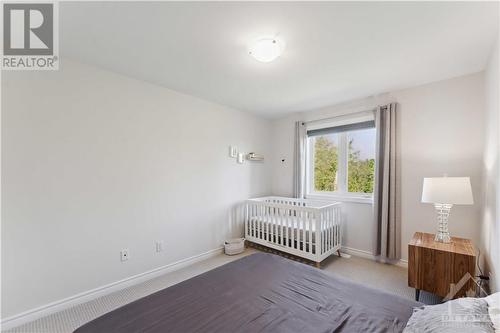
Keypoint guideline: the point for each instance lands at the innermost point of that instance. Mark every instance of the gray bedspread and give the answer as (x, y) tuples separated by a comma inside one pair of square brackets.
[(260, 293)]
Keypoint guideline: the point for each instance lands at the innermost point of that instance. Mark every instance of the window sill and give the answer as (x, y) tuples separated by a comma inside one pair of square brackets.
[(341, 197)]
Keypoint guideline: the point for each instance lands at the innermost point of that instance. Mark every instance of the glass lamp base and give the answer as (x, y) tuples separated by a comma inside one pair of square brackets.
[(443, 213), (443, 237)]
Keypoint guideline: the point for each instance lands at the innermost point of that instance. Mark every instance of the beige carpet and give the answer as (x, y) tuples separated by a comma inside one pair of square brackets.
[(391, 278), (386, 277)]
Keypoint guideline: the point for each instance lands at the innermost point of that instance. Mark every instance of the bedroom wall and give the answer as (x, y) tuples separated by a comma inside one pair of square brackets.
[(441, 131), (94, 162), (490, 226)]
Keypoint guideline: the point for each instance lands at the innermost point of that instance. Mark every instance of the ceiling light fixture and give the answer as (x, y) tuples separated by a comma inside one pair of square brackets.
[(267, 49)]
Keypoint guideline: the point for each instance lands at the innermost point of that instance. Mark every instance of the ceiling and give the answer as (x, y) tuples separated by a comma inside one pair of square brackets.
[(335, 51)]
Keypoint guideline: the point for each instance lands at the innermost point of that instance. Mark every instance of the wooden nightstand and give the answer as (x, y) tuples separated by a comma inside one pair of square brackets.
[(434, 266)]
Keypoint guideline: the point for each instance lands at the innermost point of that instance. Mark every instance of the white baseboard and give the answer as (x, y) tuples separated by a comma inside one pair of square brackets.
[(45, 310), (402, 263), (358, 253), (369, 255)]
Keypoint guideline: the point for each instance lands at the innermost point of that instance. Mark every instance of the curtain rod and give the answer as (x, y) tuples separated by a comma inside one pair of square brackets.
[(338, 116)]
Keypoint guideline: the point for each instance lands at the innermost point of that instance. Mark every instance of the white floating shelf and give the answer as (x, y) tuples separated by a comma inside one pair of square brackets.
[(255, 157)]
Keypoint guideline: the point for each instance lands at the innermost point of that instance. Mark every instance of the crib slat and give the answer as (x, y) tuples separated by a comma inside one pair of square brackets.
[(309, 234), (276, 225), (287, 236), (337, 227), (296, 230), (300, 239), (280, 226), (257, 218), (247, 224), (326, 232), (334, 225), (323, 228), (311, 222), (340, 226), (283, 227), (306, 230), (330, 229), (259, 221), (253, 220), (268, 218), (268, 223), (271, 221), (303, 231), (263, 222), (250, 219)]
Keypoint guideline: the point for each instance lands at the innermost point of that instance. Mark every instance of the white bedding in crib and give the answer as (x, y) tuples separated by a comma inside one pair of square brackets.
[(293, 224)]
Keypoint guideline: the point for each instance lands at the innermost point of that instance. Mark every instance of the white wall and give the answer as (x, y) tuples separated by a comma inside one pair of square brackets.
[(94, 162), (490, 227), (441, 131)]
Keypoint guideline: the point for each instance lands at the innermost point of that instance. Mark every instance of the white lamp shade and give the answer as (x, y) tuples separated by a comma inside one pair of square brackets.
[(447, 190)]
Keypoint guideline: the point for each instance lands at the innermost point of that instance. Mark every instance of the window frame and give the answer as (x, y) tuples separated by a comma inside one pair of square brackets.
[(342, 194)]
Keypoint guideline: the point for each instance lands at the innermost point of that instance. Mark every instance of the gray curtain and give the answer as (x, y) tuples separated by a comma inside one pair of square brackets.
[(387, 188), (299, 160)]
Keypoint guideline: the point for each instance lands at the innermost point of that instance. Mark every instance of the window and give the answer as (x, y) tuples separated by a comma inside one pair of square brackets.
[(361, 160), (341, 158)]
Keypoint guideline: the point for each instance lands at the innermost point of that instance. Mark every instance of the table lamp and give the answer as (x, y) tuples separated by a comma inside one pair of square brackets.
[(444, 192)]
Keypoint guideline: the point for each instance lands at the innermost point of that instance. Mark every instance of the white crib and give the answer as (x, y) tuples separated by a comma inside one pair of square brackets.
[(306, 228)]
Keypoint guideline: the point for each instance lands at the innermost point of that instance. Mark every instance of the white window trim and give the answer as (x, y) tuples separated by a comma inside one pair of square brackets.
[(342, 194)]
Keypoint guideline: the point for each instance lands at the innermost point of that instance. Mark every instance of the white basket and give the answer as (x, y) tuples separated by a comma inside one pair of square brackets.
[(234, 246)]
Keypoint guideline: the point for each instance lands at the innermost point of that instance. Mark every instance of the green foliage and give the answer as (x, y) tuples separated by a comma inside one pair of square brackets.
[(360, 172), (325, 165)]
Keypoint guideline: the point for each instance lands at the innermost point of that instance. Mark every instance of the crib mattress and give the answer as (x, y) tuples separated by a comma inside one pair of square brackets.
[(295, 227), (260, 293)]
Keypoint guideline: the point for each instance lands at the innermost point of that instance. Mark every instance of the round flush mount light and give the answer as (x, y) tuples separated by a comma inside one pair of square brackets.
[(266, 49)]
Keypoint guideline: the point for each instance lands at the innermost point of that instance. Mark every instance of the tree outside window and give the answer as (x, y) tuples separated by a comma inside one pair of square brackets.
[(344, 162)]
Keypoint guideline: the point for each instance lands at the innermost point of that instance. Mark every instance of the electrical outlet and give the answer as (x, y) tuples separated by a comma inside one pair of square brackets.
[(159, 246), (124, 255)]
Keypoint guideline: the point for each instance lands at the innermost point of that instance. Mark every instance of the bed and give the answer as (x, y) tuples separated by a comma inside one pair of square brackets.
[(260, 293), (306, 228)]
